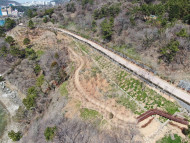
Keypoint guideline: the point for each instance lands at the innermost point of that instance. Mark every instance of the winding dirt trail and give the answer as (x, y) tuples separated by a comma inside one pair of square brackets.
[(123, 117)]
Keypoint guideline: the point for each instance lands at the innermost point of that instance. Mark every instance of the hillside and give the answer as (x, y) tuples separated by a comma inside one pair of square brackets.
[(6, 2), (59, 86), (161, 42)]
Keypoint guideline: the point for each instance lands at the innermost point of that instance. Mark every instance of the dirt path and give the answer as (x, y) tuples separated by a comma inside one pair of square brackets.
[(177, 92), (114, 110)]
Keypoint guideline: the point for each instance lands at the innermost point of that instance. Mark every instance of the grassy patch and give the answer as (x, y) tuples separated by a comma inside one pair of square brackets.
[(63, 89), (40, 81), (88, 114), (142, 93), (127, 50), (83, 47), (95, 71), (129, 104), (49, 133), (168, 139), (39, 53)]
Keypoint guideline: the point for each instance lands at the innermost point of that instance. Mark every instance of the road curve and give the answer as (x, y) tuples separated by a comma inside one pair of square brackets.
[(177, 92)]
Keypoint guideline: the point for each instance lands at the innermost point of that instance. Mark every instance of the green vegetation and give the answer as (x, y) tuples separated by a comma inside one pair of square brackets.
[(31, 13), (49, 12), (143, 94), (30, 53), (88, 114), (30, 100), (10, 40), (129, 104), (107, 28), (168, 52), (83, 47), (40, 80), (168, 139), (9, 24), (45, 20), (2, 31), (182, 33), (85, 2), (127, 50), (49, 133), (94, 26), (26, 41), (63, 89), (3, 51), (15, 136), (71, 7), (1, 79), (176, 9), (31, 24), (37, 69), (187, 131), (107, 11), (39, 53)]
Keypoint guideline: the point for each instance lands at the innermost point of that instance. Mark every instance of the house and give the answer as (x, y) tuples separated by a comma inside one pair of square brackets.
[(15, 13), (4, 11), (9, 10)]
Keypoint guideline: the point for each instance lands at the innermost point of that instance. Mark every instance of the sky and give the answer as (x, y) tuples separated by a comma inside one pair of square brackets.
[(22, 1)]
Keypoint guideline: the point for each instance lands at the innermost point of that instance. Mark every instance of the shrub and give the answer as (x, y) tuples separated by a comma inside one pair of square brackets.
[(49, 12), (84, 2), (30, 100), (71, 7), (32, 90), (49, 133), (106, 11), (106, 28), (3, 51), (31, 24), (40, 81), (53, 64), (56, 55), (94, 25), (182, 33), (186, 131), (37, 69), (26, 41), (10, 40), (31, 13), (168, 52), (9, 24), (1, 79), (45, 20), (2, 31), (14, 51), (31, 54), (15, 136), (186, 19)]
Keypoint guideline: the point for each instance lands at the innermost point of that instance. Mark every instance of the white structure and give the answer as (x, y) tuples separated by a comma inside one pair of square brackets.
[(4, 13), (53, 3), (37, 3), (15, 13)]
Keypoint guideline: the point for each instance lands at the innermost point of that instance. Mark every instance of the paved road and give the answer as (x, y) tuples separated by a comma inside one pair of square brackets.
[(177, 92)]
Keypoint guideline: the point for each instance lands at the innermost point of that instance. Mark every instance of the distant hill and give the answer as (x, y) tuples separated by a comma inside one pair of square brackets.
[(6, 2), (60, 1)]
